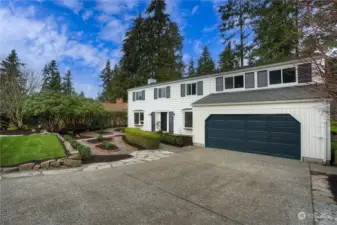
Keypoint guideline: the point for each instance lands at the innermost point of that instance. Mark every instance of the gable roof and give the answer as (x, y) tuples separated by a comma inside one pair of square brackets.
[(265, 95)]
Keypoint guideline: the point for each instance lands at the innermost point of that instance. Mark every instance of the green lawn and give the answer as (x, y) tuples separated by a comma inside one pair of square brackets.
[(334, 126), (20, 149)]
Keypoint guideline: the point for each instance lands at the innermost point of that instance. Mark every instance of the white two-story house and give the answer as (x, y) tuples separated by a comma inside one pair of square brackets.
[(274, 109)]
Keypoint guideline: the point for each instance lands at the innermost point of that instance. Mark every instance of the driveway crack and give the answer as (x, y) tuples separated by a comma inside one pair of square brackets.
[(182, 198)]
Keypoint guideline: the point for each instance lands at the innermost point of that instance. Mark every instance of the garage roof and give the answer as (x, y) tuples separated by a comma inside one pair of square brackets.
[(265, 95)]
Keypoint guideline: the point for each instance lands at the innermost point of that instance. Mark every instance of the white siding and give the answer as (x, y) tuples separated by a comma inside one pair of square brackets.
[(175, 104), (314, 119)]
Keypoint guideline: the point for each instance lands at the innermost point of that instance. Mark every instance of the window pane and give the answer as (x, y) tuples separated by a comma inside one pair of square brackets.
[(194, 88), (189, 89), (275, 77), (289, 75), (141, 120), (229, 82), (238, 81), (262, 79), (219, 84), (188, 119), (249, 80), (136, 118)]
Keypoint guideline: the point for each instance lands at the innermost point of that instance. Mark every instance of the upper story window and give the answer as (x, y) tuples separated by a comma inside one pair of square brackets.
[(191, 89), (138, 95), (162, 92), (249, 80), (219, 84), (283, 76), (234, 82)]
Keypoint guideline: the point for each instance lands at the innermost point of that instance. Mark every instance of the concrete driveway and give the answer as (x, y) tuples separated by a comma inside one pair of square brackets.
[(201, 186)]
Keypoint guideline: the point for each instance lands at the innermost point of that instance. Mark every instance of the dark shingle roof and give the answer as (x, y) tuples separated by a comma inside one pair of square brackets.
[(265, 95)]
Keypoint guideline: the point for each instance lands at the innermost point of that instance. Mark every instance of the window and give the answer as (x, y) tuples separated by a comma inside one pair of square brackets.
[(139, 118), (219, 83), (275, 77), (249, 80), (162, 92), (262, 79), (188, 119), (289, 75), (191, 89), (229, 83), (238, 82), (139, 95)]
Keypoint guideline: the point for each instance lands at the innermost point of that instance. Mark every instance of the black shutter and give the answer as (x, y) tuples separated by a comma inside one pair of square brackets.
[(200, 87), (304, 73), (153, 121), (155, 93), (219, 84), (143, 94), (171, 122), (135, 118), (168, 92), (133, 96), (182, 90)]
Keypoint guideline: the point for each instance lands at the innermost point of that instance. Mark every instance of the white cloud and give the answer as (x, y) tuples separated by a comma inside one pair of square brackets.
[(116, 6), (103, 18), (194, 10), (75, 5), (211, 28), (114, 31), (87, 14), (186, 58), (38, 42), (197, 47)]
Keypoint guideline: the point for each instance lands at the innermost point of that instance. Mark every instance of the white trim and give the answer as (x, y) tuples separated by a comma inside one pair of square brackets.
[(261, 102), (248, 69)]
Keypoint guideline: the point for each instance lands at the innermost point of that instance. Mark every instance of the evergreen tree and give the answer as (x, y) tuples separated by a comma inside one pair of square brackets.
[(81, 94), (191, 69), (235, 15), (205, 63), (227, 59), (67, 84), (51, 78), (106, 77), (11, 68), (276, 29), (117, 85)]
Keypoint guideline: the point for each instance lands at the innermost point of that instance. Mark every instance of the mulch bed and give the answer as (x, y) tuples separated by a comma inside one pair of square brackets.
[(18, 132), (96, 141), (107, 158), (111, 148)]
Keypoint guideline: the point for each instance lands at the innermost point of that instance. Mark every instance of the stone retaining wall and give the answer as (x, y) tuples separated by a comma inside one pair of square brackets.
[(72, 159)]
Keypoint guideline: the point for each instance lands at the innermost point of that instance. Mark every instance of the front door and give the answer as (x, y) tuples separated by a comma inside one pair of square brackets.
[(163, 119)]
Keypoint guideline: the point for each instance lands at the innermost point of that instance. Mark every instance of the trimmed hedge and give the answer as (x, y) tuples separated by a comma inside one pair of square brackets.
[(81, 148), (145, 139), (176, 140)]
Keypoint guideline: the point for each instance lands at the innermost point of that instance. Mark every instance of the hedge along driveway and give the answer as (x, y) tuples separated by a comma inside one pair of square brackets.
[(19, 149)]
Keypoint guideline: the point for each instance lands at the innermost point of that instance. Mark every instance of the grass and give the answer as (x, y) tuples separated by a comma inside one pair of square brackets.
[(334, 126), (19, 149)]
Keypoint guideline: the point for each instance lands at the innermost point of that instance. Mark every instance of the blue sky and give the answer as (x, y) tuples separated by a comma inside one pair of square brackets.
[(82, 35)]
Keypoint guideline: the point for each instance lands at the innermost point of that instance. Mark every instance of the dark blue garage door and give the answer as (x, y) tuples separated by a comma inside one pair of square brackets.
[(277, 135)]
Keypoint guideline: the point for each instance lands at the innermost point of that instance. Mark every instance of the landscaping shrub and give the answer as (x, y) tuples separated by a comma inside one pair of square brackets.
[(107, 144), (142, 138), (176, 140), (100, 137), (81, 148)]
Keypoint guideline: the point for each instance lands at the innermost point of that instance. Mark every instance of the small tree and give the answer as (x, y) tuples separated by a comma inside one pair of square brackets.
[(191, 69), (67, 84)]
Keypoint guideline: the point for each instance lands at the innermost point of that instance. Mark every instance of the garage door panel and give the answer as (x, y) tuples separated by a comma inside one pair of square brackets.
[(277, 135)]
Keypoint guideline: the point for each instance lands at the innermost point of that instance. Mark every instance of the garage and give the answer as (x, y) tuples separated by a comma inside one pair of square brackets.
[(276, 135)]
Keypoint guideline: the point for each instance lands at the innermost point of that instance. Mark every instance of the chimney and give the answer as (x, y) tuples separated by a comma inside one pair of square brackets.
[(151, 81), (119, 101)]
